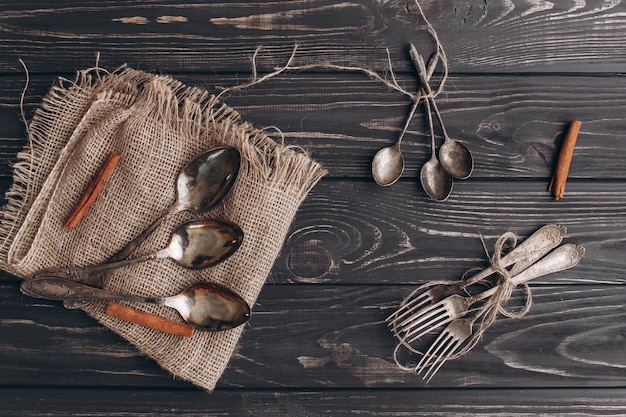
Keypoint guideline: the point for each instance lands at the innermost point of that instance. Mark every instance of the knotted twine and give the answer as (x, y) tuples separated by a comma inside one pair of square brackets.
[(390, 82), (488, 311), (157, 124)]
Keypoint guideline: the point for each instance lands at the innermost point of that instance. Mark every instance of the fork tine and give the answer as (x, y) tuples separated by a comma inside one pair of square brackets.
[(443, 357), (418, 317), (426, 328), (408, 308), (436, 352), (425, 324), (457, 333), (429, 355)]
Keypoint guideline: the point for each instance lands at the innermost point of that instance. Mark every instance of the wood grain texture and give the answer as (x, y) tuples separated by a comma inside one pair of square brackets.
[(397, 235), (482, 36), (513, 125), (313, 403), (317, 344), (333, 336)]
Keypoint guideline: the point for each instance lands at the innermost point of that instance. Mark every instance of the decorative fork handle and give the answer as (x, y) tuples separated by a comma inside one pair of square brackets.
[(526, 253), (562, 258)]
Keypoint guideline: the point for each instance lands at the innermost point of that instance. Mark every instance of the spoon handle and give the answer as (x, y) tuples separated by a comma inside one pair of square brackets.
[(418, 61), (54, 288), (90, 273), (128, 250), (532, 249)]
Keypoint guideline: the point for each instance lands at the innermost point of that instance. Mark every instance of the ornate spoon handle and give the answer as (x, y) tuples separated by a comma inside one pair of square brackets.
[(54, 288)]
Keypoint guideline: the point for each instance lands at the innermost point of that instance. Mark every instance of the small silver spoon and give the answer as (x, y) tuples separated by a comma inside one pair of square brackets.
[(436, 181), (455, 157), (206, 306), (195, 244), (388, 163)]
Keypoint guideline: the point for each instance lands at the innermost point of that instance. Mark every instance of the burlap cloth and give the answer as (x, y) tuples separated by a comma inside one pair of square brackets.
[(157, 125)]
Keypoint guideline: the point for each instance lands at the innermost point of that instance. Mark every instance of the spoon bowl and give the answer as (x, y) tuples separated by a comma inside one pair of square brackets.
[(206, 306), (435, 180), (195, 244), (201, 184), (206, 179), (388, 165), (201, 243), (456, 158)]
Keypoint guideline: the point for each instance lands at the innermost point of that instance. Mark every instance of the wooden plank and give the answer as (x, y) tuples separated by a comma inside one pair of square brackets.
[(331, 336), (488, 403), (500, 36), (398, 235), (514, 126)]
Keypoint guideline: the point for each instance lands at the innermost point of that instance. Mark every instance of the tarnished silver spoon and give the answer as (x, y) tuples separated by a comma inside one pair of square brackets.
[(201, 184), (206, 306), (388, 163), (195, 244), (454, 156), (436, 181)]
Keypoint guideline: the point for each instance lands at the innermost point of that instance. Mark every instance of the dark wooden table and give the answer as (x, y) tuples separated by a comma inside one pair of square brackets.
[(520, 71)]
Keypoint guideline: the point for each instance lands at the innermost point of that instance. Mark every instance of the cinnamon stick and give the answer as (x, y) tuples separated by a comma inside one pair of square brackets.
[(93, 190), (559, 178), (148, 320)]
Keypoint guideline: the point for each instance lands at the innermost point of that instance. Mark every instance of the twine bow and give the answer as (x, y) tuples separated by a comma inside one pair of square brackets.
[(496, 304)]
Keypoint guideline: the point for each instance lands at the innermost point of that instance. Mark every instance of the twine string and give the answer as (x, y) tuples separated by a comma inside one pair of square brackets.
[(391, 83), (485, 314)]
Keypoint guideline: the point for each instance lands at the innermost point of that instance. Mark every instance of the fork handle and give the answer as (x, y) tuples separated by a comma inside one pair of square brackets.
[(526, 253), (562, 258)]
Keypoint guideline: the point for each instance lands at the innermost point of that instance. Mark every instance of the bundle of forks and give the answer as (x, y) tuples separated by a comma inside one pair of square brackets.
[(452, 308)]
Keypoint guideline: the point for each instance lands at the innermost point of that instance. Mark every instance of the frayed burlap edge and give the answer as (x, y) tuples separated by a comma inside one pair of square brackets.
[(285, 172)]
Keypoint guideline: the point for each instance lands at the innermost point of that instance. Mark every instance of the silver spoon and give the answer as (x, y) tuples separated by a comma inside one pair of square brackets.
[(388, 163), (195, 244), (436, 181), (455, 157), (206, 306), (201, 184)]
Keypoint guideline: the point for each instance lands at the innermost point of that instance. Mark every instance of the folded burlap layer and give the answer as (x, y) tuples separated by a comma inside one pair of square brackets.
[(157, 125)]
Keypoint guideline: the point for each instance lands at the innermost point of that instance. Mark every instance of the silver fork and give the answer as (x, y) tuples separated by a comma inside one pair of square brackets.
[(455, 306), (523, 255), (460, 329), (446, 345)]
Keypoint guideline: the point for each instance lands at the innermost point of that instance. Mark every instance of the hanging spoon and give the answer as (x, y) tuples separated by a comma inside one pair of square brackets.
[(455, 157), (388, 163), (436, 181), (206, 306), (195, 244)]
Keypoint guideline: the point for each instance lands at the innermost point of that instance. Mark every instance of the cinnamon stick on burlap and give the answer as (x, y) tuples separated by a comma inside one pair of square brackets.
[(559, 178), (93, 190), (148, 320)]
